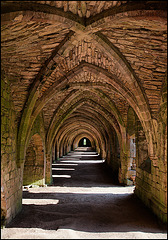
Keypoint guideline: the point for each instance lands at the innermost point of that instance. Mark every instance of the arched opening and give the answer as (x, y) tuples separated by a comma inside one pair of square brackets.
[(131, 146), (84, 142), (132, 160)]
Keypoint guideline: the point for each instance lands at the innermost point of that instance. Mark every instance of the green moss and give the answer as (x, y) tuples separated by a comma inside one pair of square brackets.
[(3, 218)]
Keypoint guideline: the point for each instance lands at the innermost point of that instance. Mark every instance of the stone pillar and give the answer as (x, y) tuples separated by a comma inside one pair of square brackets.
[(61, 152), (123, 158), (53, 153), (69, 148), (123, 169), (11, 175), (57, 152), (48, 175)]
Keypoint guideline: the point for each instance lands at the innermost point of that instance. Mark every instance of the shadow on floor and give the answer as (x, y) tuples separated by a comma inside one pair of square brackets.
[(97, 174), (86, 212), (89, 200)]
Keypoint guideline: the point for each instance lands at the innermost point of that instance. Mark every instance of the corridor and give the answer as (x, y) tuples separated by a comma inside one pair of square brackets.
[(83, 202), (83, 74)]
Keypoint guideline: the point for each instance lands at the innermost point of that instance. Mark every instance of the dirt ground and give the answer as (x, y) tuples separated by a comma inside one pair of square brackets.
[(83, 202)]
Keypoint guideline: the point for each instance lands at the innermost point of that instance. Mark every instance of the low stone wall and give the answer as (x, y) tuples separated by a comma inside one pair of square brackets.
[(150, 188)]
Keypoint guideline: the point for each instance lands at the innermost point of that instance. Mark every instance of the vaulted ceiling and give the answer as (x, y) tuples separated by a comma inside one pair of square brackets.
[(83, 63)]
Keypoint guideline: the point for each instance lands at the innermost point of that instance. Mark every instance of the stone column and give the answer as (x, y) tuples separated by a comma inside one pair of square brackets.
[(57, 153), (69, 148), (48, 175)]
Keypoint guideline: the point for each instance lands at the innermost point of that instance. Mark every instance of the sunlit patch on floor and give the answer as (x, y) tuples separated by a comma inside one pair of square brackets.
[(39, 201), (83, 161), (62, 176), (65, 164), (71, 169)]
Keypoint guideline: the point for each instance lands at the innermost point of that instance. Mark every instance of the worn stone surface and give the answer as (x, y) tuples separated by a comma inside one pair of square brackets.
[(11, 187), (146, 51), (34, 162)]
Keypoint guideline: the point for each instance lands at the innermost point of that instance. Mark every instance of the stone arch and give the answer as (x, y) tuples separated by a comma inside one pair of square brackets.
[(104, 121), (89, 120), (130, 10), (77, 103), (105, 100), (82, 136), (81, 133), (47, 10), (89, 130), (118, 88), (103, 152), (54, 131), (94, 140), (67, 142), (41, 102), (36, 11), (69, 129), (92, 21), (34, 165), (122, 76)]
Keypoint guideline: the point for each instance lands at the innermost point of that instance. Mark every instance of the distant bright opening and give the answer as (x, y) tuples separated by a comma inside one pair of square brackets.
[(84, 142)]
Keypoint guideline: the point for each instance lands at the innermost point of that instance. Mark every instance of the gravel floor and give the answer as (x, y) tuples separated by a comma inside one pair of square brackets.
[(83, 203)]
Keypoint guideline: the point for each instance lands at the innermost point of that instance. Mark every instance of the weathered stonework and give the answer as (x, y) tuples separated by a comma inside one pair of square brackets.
[(92, 69), (34, 162), (11, 187)]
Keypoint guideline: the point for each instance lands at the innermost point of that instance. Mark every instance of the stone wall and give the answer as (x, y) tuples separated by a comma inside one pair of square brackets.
[(34, 162), (11, 182), (151, 177), (12, 176)]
